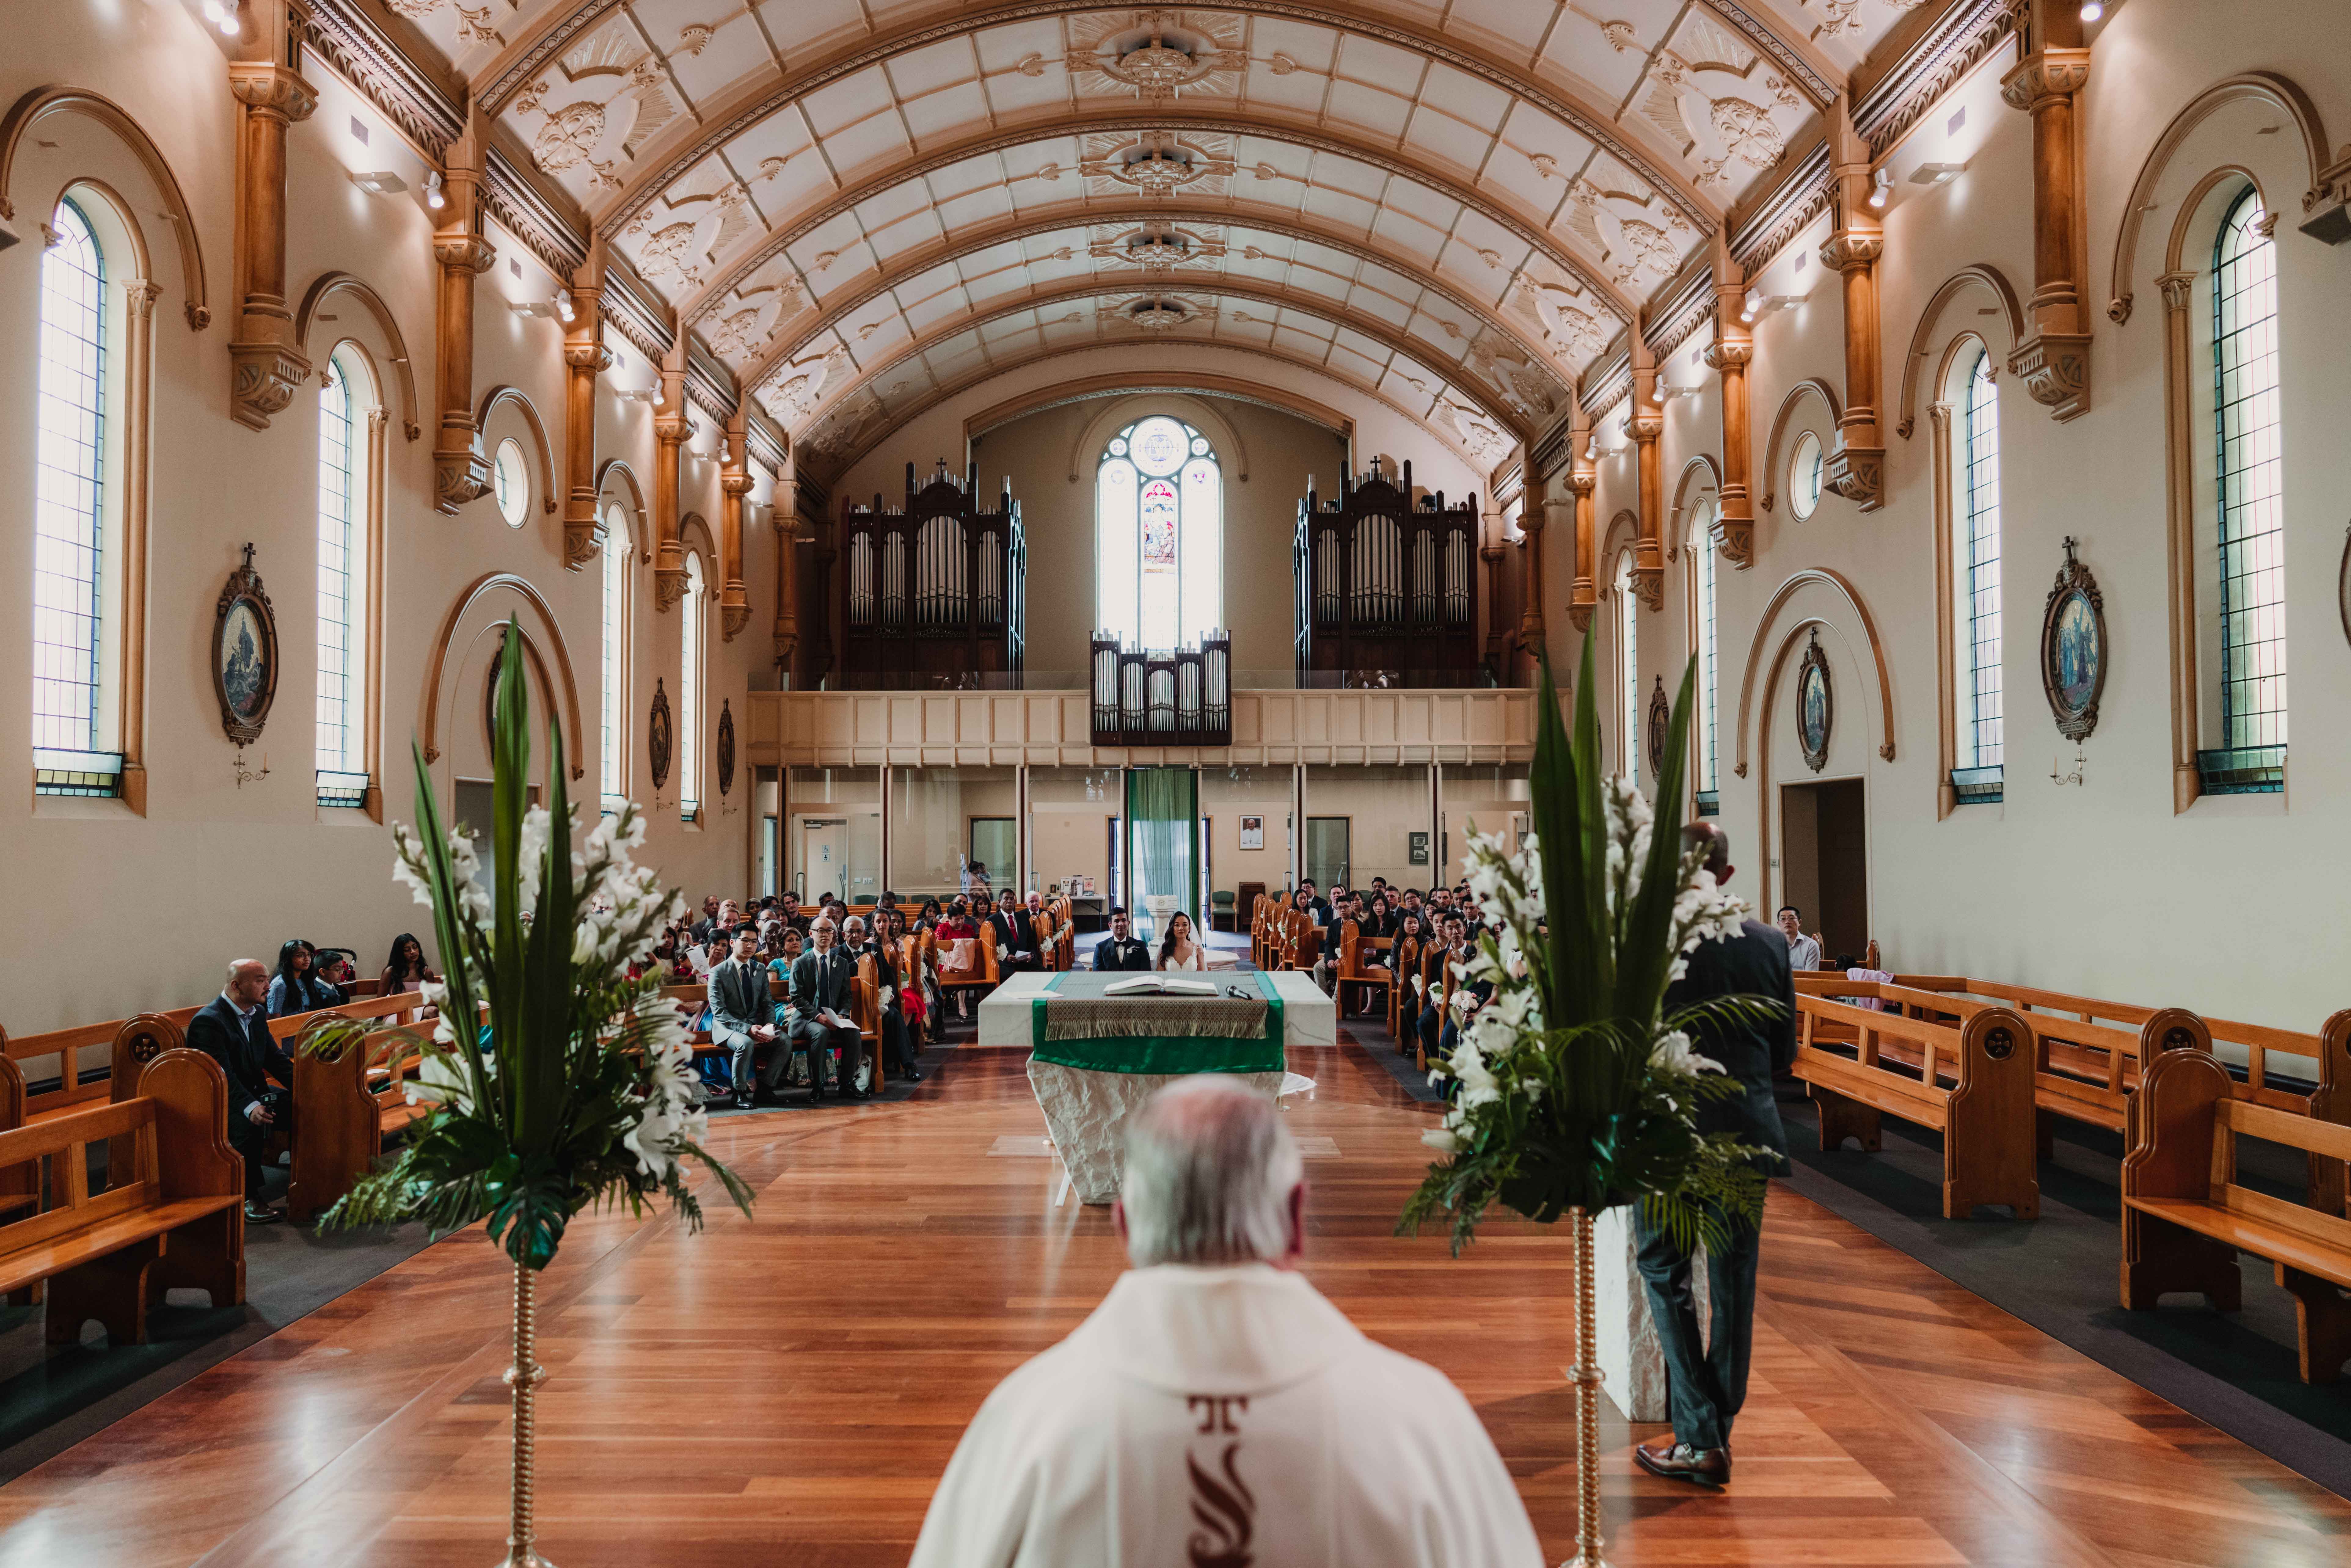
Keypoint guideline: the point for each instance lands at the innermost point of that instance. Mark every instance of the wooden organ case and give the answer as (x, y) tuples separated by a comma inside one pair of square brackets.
[(931, 595), (1388, 592)]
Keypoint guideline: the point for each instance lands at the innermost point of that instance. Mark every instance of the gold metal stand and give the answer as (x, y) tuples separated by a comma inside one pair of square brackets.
[(524, 1377), (1586, 1373)]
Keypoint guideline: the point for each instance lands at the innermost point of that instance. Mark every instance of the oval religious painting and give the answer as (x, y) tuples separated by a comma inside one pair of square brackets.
[(1815, 705), (1660, 721), (658, 741), (726, 748), (2074, 648), (244, 654)]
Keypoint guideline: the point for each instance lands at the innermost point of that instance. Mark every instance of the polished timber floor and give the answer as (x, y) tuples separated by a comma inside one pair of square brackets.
[(787, 1392)]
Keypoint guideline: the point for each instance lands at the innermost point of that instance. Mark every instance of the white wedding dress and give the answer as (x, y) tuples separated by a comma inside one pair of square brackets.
[(1197, 964)]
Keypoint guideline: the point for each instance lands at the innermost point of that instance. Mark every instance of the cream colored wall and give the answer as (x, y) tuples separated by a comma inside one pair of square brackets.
[(2100, 889), (262, 862)]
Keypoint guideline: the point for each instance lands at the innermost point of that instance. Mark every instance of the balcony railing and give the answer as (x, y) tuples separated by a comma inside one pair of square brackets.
[(1162, 697)]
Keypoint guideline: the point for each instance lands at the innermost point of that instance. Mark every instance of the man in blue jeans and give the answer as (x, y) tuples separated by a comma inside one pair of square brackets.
[(1705, 1382)]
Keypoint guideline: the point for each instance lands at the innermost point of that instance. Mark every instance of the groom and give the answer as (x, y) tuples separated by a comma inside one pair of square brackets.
[(1705, 1385)]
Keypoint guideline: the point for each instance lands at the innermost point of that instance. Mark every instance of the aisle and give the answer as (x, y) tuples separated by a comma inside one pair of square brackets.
[(788, 1391)]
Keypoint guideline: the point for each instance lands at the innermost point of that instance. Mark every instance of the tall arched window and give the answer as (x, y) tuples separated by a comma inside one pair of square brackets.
[(345, 393), (614, 545), (1159, 535), (1977, 572), (689, 690), (77, 572), (2251, 508), (1709, 677), (1628, 660)]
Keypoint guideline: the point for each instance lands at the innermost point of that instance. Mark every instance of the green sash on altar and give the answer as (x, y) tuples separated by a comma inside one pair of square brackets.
[(1256, 1051)]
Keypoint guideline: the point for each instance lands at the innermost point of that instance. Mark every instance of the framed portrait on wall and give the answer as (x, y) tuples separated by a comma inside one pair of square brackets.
[(2343, 585), (725, 749), (1660, 721), (1252, 833), (2074, 648), (660, 740), (1815, 705), (244, 654)]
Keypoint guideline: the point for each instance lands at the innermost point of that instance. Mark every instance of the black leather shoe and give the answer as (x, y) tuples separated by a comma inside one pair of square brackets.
[(855, 1094), (1679, 1462), (911, 1073), (261, 1214)]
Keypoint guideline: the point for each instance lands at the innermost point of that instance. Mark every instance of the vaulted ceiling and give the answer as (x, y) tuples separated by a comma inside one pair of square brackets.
[(858, 206)]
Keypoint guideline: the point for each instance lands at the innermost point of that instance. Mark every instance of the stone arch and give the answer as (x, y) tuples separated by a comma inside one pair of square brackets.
[(1124, 409), (1982, 275), (549, 631), (326, 287), (1797, 395), (1837, 583), (491, 399)]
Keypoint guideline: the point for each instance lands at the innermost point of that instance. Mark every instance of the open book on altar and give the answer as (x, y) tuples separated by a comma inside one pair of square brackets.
[(1156, 986)]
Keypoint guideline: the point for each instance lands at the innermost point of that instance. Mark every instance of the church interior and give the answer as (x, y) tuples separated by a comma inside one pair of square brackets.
[(1131, 463)]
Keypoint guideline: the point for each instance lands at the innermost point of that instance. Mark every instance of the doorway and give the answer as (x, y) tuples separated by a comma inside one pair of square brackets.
[(994, 843), (1326, 850), (824, 852), (1825, 858)]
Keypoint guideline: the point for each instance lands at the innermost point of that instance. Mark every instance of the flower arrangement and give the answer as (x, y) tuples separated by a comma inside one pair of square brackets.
[(576, 1085), (1575, 1089)]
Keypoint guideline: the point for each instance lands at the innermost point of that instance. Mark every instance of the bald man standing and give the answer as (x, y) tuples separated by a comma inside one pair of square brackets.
[(232, 1029)]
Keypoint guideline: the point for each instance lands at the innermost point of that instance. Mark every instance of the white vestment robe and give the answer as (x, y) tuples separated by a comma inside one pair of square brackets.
[(1222, 1418)]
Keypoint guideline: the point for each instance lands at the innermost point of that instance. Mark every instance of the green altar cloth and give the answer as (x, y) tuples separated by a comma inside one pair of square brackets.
[(1223, 1034)]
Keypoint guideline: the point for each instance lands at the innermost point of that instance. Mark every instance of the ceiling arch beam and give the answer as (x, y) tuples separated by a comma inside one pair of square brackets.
[(509, 74), (1144, 380), (1378, 331), (1531, 232), (975, 240)]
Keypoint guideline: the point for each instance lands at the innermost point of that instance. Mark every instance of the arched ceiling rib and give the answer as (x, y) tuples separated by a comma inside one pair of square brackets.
[(1146, 246), (832, 409)]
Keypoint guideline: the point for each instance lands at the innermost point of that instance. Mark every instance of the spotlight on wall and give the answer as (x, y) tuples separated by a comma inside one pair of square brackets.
[(1746, 311), (1881, 188), (379, 181), (530, 308), (563, 308), (639, 394), (1936, 174), (1761, 304), (223, 16), (2091, 10), (432, 197)]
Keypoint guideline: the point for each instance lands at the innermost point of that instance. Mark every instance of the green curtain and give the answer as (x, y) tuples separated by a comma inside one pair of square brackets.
[(1163, 816)]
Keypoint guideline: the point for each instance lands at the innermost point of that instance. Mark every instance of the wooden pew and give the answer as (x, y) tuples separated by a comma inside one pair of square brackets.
[(1256, 931), (1973, 1082), (1400, 994), (1437, 980), (2185, 1219), (1048, 941), (980, 974), (1355, 968), (345, 1112), (1065, 929), (176, 1218)]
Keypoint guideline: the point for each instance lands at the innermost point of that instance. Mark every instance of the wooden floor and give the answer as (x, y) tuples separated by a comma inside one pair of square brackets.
[(787, 1392)]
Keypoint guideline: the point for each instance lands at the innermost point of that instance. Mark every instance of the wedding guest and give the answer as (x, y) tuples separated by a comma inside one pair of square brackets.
[(1804, 952), (823, 982), (296, 988), (1177, 949), (890, 1029), (1705, 1377), (232, 1029), (703, 927), (1122, 950), (742, 1017), (1214, 1371), (1015, 935), (406, 969)]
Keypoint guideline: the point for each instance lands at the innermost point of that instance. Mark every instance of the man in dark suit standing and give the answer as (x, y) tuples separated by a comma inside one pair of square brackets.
[(1015, 935), (891, 1028), (741, 1015), (1706, 1384), (232, 1029), (1121, 949), (820, 1013)]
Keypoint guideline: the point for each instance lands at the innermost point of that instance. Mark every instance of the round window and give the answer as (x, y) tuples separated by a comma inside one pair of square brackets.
[(1804, 477), (512, 481), (1160, 445)]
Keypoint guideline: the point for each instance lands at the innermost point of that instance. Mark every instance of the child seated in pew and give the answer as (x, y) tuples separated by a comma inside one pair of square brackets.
[(1854, 971)]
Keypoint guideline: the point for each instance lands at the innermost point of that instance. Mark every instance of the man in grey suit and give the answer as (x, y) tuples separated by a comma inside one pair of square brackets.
[(1705, 1382), (739, 1013), (822, 983)]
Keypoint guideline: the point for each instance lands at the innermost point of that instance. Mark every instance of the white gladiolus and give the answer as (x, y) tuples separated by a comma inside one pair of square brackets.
[(1672, 1054), (532, 854), (1442, 1140)]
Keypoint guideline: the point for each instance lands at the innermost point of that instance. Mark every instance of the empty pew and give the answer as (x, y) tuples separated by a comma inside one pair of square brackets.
[(347, 1112), (176, 1218), (1401, 995), (2185, 1219), (1971, 1080), (1356, 967)]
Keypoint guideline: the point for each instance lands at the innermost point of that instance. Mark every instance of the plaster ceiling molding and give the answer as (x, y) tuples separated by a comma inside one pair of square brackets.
[(695, 37), (1159, 250), (748, 325), (1158, 55), (606, 100), (1158, 315), (1719, 104), (1479, 435), (793, 389), (1158, 163), (1616, 218), (1525, 386), (1576, 328), (459, 25), (1857, 23)]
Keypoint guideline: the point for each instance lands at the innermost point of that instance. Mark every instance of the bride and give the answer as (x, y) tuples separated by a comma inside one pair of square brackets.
[(1177, 949)]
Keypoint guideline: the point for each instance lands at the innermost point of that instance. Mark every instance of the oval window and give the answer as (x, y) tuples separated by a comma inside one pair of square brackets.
[(512, 482), (1804, 477)]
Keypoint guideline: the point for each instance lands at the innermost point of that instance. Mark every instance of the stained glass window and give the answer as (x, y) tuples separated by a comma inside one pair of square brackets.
[(72, 740), (2252, 505), (1159, 541)]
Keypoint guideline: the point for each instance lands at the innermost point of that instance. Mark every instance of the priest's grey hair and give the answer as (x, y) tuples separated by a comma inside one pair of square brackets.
[(1209, 1171)]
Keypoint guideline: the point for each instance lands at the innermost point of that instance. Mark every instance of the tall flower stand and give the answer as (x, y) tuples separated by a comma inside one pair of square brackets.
[(524, 1377)]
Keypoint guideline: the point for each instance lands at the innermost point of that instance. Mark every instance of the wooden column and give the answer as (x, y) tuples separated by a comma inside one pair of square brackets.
[(671, 428), (1732, 349), (461, 472), (1533, 514), (266, 367), (1648, 422), (2053, 360), (584, 358), (1491, 553), (734, 484), (1585, 594), (1856, 469), (787, 573)]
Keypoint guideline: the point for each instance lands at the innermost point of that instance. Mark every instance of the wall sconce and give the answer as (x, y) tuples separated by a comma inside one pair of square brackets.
[(530, 308), (563, 307), (1881, 188), (379, 181), (1936, 174), (432, 197), (639, 394)]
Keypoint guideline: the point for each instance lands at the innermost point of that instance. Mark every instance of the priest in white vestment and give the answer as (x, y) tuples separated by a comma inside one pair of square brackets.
[(1216, 1411)]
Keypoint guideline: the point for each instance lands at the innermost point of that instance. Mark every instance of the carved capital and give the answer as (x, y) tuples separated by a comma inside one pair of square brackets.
[(669, 587), (139, 297), (271, 89), (459, 475), (1858, 474), (1582, 481), (732, 619), (1734, 537), (736, 482), (465, 253), (580, 546), (1738, 351), (1649, 586), (265, 377), (1850, 248), (2056, 371), (1938, 414), (1648, 426), (2041, 78), (2178, 288), (672, 429), (1579, 608), (593, 358), (788, 643)]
